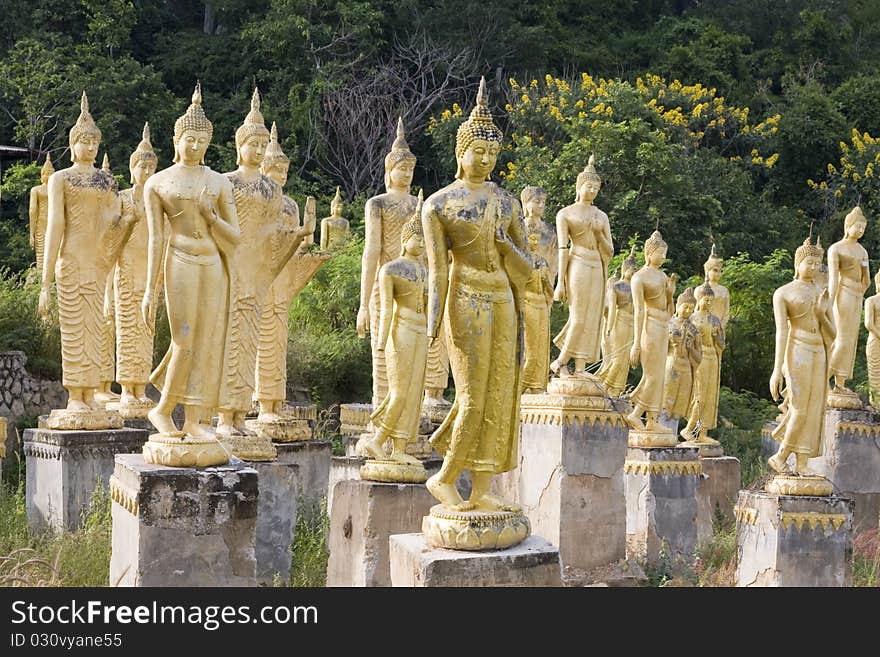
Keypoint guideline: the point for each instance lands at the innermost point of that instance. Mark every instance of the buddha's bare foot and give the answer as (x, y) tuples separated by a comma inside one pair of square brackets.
[(143, 399), (402, 457), (487, 502), (198, 431), (446, 494), (163, 423), (465, 505), (374, 448), (777, 464), (128, 399), (635, 421), (686, 434), (554, 367), (78, 406), (269, 416)]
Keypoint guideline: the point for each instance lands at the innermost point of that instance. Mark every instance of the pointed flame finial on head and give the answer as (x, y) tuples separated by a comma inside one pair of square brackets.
[(105, 165), (47, 169), (145, 134), (197, 93), (482, 96), (84, 103), (400, 133), (273, 132)]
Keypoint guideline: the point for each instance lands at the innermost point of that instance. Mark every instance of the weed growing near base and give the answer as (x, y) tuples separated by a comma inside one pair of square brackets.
[(309, 551)]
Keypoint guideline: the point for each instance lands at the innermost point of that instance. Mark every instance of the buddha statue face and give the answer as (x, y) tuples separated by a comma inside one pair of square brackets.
[(478, 161), (415, 245), (534, 208), (856, 229), (684, 309), (44, 176), (85, 150), (588, 189), (191, 146), (628, 272), (253, 150), (401, 175), (656, 257), (704, 303), (336, 208), (277, 171), (143, 169), (713, 271), (808, 267)]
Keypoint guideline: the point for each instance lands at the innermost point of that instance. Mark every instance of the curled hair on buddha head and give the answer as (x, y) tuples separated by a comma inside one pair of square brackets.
[(805, 250), (254, 124), (704, 290), (686, 297), (654, 243), (274, 154), (85, 125), (47, 169), (713, 260), (630, 262), (193, 119), (143, 153), (413, 226), (854, 216), (589, 173), (532, 193), (479, 125), (399, 153)]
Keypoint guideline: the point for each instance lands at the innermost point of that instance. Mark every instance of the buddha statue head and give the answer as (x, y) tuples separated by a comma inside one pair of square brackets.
[(712, 266), (705, 295), (84, 136), (855, 223), (588, 182), (655, 249), (534, 200), (807, 260), (336, 204), (47, 169), (399, 162), (630, 266), (192, 132), (478, 141), (252, 137), (142, 162), (275, 162), (877, 282), (686, 303), (412, 237)]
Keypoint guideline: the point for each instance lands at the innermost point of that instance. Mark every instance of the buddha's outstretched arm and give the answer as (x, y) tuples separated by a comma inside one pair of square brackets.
[(638, 292), (606, 245), (227, 225), (386, 304), (833, 273), (780, 314), (562, 248), (155, 243), (695, 349), (438, 267), (611, 305), (54, 228), (369, 261), (33, 215), (518, 264), (866, 275), (871, 317)]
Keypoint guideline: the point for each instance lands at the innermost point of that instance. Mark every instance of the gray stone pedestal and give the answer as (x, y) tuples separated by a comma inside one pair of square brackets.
[(570, 478), (719, 486), (279, 488), (312, 457), (63, 468), (183, 526), (365, 515), (534, 562), (851, 461), (661, 504), (788, 540)]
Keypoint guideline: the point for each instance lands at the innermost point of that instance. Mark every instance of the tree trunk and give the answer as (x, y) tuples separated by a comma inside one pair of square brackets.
[(210, 17)]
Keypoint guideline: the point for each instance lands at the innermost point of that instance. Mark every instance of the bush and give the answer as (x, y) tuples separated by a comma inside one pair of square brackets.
[(21, 327)]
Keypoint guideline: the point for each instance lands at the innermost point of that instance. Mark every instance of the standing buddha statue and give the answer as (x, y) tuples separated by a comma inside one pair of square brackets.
[(618, 329), (848, 278), (38, 212), (334, 229), (275, 420), (104, 395), (85, 231), (683, 358), (872, 348), (538, 295)]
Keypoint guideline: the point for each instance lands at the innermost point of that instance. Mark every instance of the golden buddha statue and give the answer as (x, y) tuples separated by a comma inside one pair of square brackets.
[(134, 338), (652, 292), (198, 206), (538, 295), (104, 395), (712, 270), (703, 409), (258, 202), (334, 229), (85, 232), (583, 269), (683, 358), (384, 218), (618, 329), (848, 279), (38, 212), (804, 334), (872, 348), (274, 420), (403, 295), (480, 292)]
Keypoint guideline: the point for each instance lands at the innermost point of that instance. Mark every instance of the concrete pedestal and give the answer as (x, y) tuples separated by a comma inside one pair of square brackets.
[(788, 540), (354, 419), (183, 526), (279, 488), (570, 478), (312, 457), (851, 461), (719, 486), (365, 515), (534, 562), (661, 504), (63, 468)]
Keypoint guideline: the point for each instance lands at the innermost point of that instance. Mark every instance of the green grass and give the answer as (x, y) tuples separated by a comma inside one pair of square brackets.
[(309, 551)]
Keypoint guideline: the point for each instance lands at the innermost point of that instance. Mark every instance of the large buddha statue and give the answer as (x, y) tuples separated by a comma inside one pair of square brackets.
[(618, 329), (38, 212), (134, 338), (872, 348), (274, 419), (85, 231), (703, 411), (804, 334), (538, 295), (334, 229), (402, 335), (198, 207), (848, 279), (481, 225), (652, 292), (683, 358), (585, 248)]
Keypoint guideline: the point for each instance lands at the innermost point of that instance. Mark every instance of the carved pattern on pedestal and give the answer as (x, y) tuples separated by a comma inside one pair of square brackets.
[(565, 409), (123, 497), (859, 429), (745, 514), (811, 520), (663, 467)]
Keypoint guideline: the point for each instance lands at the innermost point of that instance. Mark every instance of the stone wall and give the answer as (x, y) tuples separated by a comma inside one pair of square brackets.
[(22, 395)]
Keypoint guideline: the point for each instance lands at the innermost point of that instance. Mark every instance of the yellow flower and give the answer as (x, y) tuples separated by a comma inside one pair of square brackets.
[(770, 161), (831, 168)]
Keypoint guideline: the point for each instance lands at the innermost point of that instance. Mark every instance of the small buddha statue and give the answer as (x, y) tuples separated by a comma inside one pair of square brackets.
[(85, 232), (334, 229), (872, 348), (618, 329), (403, 294), (38, 212), (683, 358), (703, 410), (848, 279), (804, 334), (652, 292), (104, 395), (712, 270), (134, 338), (538, 295)]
